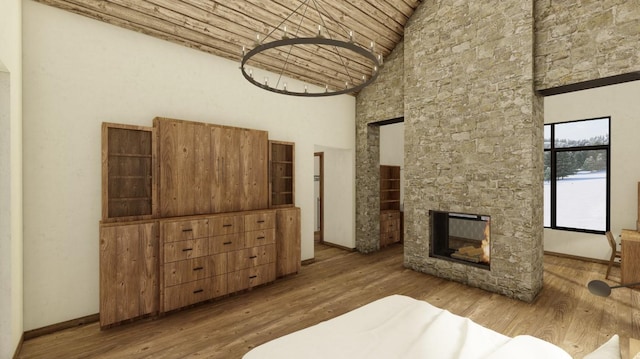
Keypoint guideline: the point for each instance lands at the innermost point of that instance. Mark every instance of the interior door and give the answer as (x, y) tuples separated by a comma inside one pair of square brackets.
[(318, 179)]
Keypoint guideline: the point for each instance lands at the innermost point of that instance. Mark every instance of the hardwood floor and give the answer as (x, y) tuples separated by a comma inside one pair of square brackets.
[(564, 313)]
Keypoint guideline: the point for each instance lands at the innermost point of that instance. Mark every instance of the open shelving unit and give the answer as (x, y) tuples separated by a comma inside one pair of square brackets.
[(281, 174), (390, 216), (128, 159)]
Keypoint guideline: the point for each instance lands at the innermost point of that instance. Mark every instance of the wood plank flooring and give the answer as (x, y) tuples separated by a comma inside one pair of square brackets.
[(564, 313)]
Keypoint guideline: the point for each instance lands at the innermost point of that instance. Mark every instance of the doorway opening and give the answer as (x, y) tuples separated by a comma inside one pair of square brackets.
[(391, 160)]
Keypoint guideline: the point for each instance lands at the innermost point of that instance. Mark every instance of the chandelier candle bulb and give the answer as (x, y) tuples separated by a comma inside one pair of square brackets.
[(319, 30), (284, 36), (266, 81), (350, 35)]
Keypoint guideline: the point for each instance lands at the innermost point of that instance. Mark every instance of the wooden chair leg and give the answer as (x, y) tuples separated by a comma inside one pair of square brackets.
[(609, 266)]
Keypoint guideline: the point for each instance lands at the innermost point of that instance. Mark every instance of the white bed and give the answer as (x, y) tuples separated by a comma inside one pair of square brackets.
[(402, 327)]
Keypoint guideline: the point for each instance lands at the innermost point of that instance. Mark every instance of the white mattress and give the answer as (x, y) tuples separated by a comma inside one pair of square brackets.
[(401, 327)]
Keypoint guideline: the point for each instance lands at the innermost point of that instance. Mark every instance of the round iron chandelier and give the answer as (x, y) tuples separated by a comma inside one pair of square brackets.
[(332, 46)]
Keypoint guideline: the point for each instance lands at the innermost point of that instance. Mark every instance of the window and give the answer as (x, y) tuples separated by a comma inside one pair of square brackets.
[(576, 175)]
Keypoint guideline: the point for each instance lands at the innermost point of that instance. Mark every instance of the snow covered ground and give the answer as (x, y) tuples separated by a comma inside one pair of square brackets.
[(581, 201)]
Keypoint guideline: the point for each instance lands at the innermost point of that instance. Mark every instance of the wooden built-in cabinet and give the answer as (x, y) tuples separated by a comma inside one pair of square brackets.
[(128, 271), (187, 218), (390, 216), (282, 174), (128, 172)]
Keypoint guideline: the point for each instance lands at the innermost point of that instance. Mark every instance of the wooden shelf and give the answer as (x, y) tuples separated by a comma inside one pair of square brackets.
[(281, 174), (390, 216), (128, 181)]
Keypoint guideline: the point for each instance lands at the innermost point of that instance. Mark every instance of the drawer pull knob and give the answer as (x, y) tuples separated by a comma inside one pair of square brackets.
[(187, 249), (261, 237), (227, 243), (188, 230), (261, 221), (253, 276), (198, 268), (253, 257), (227, 225), (198, 291)]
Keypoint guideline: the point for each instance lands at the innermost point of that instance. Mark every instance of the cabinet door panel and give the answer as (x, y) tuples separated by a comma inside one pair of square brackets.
[(128, 271), (288, 241), (226, 183), (185, 155), (255, 171)]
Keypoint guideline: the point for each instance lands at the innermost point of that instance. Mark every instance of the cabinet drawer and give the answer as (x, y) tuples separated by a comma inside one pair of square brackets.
[(193, 292), (230, 242), (261, 220), (389, 215), (185, 230), (251, 257), (389, 237), (175, 251), (221, 225), (194, 269), (251, 277), (390, 226), (259, 238)]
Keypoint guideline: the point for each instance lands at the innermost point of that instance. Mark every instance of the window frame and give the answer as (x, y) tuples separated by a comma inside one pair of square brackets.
[(553, 151)]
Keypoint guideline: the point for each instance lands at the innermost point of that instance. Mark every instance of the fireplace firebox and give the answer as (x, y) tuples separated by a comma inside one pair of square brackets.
[(461, 237)]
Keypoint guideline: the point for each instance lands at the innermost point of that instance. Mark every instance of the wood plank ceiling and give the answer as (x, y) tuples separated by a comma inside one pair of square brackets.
[(223, 28)]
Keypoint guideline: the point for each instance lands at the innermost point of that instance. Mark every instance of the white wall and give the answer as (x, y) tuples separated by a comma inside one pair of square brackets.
[(339, 196), (80, 72), (11, 284), (621, 103), (392, 150)]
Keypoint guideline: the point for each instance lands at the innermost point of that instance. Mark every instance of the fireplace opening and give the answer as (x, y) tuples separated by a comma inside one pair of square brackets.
[(461, 237)]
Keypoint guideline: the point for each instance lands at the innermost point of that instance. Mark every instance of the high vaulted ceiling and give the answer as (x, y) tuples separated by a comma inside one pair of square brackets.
[(223, 28)]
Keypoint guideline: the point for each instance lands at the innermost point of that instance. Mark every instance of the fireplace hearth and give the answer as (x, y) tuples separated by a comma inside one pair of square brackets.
[(461, 237)]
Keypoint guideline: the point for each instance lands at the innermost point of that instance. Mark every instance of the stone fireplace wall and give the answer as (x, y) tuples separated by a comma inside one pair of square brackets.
[(464, 80), (473, 137)]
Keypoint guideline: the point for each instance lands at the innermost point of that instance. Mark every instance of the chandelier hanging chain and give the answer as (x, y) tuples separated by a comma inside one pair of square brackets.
[(324, 43), (286, 62), (344, 65)]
